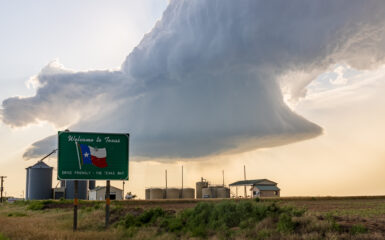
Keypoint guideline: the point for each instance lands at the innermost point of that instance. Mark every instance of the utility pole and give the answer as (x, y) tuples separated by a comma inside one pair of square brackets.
[(166, 182), (2, 187), (182, 182), (244, 175), (223, 178)]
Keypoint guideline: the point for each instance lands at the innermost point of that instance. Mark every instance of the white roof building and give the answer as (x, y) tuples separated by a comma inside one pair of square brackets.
[(99, 193)]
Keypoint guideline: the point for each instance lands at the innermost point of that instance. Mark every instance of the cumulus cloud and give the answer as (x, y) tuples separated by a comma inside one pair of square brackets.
[(210, 77)]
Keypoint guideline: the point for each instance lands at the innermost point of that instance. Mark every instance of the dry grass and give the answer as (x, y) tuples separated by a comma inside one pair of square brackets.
[(326, 218)]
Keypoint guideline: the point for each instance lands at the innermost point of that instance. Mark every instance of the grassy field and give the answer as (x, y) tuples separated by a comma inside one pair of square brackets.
[(283, 218)]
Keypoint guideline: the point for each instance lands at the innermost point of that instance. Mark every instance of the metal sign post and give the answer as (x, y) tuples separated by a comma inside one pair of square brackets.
[(108, 201), (76, 203)]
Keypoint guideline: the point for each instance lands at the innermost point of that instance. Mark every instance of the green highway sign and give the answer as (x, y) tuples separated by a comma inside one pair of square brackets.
[(92, 156)]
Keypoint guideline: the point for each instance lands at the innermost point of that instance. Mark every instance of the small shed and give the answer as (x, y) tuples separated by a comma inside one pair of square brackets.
[(259, 187), (99, 193)]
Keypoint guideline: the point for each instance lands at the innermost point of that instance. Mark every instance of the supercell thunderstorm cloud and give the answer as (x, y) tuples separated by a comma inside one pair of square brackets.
[(210, 77)]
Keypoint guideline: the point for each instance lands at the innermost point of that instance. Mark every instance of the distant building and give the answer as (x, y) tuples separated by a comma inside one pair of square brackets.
[(259, 187), (99, 193)]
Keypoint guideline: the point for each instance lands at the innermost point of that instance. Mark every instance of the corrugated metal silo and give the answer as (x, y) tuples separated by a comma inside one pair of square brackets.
[(82, 189), (156, 193), (39, 182), (188, 193), (173, 193)]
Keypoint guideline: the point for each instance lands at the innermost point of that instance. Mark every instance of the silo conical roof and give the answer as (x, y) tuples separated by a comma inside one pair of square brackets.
[(40, 165)]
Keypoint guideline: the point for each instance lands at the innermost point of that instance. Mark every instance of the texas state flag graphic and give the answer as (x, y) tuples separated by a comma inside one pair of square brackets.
[(94, 156)]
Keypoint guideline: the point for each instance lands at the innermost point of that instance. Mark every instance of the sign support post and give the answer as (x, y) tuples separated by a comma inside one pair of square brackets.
[(76, 202), (108, 201)]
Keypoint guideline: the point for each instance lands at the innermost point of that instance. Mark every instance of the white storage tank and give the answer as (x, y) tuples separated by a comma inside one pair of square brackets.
[(147, 193), (156, 193), (188, 193), (209, 192), (222, 192), (173, 193)]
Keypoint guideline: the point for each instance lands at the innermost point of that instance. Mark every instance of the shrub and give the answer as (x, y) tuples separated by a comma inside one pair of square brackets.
[(36, 205), (224, 218), (285, 223)]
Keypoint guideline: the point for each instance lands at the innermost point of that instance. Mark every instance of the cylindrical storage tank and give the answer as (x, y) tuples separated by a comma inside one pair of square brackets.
[(91, 184), (209, 192), (147, 193), (39, 182), (199, 186), (82, 189), (188, 193), (156, 193), (173, 193), (223, 192)]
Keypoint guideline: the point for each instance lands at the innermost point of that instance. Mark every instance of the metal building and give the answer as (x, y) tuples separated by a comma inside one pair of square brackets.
[(258, 188), (39, 181), (99, 193)]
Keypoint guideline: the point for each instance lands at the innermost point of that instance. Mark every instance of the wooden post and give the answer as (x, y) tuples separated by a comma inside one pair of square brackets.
[(123, 191), (108, 201), (2, 187), (76, 203)]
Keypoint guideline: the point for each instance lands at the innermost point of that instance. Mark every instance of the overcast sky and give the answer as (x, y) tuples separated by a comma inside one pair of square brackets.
[(297, 98)]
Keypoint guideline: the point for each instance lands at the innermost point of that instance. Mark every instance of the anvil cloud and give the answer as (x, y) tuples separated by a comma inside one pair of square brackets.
[(209, 78)]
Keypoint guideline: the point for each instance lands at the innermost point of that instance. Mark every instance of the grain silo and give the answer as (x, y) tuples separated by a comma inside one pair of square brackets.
[(147, 193), (188, 193), (222, 192), (39, 181), (173, 193), (199, 186), (82, 189), (156, 193)]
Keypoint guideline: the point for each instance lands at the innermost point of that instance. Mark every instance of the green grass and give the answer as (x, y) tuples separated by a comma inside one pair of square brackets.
[(17, 214), (2, 237), (358, 229)]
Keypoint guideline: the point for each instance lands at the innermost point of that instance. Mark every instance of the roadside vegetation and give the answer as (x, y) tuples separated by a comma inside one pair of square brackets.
[(227, 219)]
